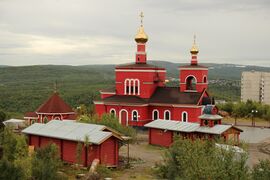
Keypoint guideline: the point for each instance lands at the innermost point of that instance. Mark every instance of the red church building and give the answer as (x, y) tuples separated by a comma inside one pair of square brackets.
[(54, 108), (140, 94)]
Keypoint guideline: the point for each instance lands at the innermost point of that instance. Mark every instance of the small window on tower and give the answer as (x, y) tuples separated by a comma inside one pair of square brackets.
[(127, 89), (138, 59), (132, 89)]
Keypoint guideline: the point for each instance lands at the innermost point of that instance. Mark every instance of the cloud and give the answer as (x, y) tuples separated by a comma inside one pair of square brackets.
[(98, 31)]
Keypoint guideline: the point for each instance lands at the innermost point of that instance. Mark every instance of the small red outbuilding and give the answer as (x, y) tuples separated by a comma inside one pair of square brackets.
[(104, 144), (162, 132)]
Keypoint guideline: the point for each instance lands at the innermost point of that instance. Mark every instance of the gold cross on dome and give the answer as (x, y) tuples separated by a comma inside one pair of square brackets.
[(55, 86), (194, 39), (142, 16)]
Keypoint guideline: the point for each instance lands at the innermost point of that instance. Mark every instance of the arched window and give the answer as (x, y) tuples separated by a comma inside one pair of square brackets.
[(134, 115), (45, 120), (113, 112), (155, 114), (191, 83), (57, 118), (184, 116), (167, 115), (204, 79), (132, 87)]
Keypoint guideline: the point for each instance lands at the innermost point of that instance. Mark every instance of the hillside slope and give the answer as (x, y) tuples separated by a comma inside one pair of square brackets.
[(25, 88)]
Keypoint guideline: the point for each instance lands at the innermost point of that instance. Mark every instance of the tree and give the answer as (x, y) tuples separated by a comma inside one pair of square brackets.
[(198, 159), (2, 119), (15, 162), (46, 163), (261, 171), (79, 150)]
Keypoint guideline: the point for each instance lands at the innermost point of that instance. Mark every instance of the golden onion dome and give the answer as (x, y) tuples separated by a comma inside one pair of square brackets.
[(141, 36), (194, 49)]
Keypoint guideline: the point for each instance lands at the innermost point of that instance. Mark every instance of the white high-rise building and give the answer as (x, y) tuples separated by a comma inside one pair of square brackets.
[(255, 86)]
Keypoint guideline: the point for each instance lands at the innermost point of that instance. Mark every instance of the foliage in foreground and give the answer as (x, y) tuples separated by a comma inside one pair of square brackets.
[(187, 159), (17, 163), (46, 163), (111, 122), (261, 170)]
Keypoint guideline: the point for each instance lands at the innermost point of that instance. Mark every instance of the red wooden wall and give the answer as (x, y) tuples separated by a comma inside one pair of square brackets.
[(159, 137)]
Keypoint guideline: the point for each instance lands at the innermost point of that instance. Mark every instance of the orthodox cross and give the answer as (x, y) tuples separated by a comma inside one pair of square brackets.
[(142, 16)]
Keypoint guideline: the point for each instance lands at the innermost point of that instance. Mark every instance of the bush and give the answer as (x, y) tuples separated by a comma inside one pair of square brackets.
[(261, 171), (45, 163), (198, 159)]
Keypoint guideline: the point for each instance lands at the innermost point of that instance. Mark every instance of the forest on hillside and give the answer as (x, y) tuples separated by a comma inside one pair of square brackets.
[(25, 88)]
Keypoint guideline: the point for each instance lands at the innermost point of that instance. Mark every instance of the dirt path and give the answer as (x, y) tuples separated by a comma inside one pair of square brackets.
[(258, 151), (146, 156)]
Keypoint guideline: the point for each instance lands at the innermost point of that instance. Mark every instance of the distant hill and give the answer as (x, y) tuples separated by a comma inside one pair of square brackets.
[(216, 71), (24, 88)]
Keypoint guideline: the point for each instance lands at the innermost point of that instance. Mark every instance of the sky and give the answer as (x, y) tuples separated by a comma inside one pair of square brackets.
[(82, 32)]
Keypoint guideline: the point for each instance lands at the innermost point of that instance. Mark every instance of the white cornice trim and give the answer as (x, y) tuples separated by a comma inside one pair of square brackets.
[(104, 92), (55, 113), (138, 70), (98, 102), (185, 68)]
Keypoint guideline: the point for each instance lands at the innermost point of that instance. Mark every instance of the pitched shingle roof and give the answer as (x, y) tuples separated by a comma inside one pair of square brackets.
[(162, 95), (122, 99), (55, 104), (172, 95)]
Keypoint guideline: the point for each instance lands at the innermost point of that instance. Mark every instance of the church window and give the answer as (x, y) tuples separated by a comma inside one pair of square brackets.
[(45, 120), (167, 115), (136, 90), (184, 116), (204, 79), (132, 87), (57, 118), (113, 112), (135, 115), (191, 83), (155, 115)]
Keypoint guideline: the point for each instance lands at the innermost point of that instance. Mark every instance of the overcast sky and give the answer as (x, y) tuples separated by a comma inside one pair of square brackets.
[(79, 32)]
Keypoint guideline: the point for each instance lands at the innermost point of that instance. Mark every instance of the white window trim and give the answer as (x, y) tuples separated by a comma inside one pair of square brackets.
[(191, 76), (133, 117), (153, 114), (57, 118), (112, 109), (131, 82), (184, 112), (165, 115), (203, 79), (120, 117)]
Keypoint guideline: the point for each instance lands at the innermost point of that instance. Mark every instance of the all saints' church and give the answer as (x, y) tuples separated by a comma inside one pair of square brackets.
[(140, 94)]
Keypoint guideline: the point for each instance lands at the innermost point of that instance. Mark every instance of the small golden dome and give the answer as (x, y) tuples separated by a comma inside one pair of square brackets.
[(141, 36), (194, 49)]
